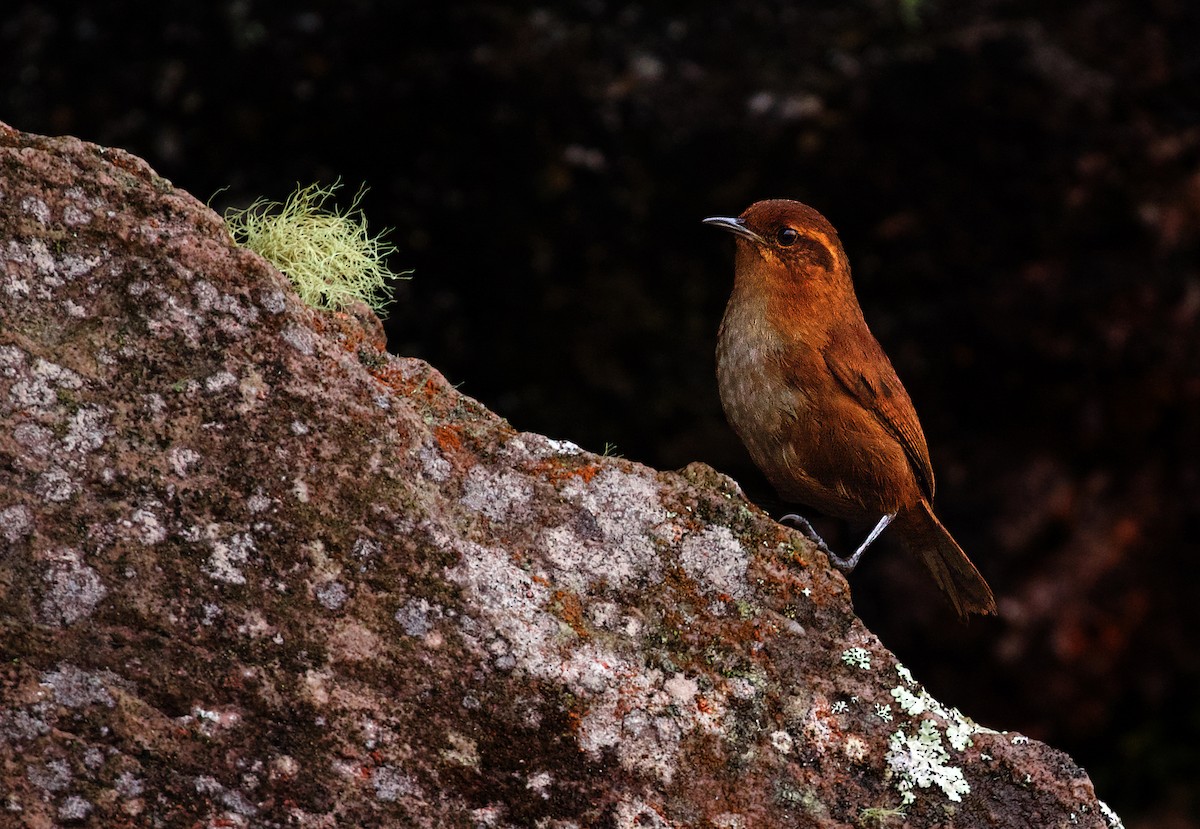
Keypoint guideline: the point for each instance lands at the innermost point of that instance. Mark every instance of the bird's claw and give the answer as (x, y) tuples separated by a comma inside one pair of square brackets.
[(846, 565)]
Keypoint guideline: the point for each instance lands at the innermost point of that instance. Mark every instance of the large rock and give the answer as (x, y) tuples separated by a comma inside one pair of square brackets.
[(255, 571)]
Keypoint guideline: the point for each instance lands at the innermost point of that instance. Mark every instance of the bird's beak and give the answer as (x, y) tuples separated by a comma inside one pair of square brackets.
[(735, 226)]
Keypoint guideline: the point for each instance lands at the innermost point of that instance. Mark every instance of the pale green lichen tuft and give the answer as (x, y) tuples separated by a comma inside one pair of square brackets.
[(857, 658), (920, 760), (327, 254), (1110, 817), (959, 727)]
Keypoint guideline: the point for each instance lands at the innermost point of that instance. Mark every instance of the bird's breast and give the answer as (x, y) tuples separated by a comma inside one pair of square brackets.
[(760, 399), (798, 425)]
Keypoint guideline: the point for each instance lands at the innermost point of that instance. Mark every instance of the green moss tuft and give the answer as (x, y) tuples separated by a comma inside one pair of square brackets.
[(879, 816), (328, 255)]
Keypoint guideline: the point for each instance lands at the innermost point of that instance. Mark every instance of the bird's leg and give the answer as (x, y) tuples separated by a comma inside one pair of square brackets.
[(846, 565), (799, 522)]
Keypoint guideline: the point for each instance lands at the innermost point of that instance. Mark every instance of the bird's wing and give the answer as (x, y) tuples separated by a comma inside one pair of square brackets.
[(856, 359)]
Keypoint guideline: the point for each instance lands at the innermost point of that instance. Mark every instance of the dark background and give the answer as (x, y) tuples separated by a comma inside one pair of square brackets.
[(1017, 185)]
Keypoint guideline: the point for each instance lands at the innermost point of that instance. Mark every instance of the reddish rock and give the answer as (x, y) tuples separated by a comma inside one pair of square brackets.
[(254, 571)]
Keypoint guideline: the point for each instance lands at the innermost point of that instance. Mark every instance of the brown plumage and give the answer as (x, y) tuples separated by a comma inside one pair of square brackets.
[(817, 402)]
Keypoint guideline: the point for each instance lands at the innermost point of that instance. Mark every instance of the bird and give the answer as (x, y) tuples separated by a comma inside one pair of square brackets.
[(816, 401)]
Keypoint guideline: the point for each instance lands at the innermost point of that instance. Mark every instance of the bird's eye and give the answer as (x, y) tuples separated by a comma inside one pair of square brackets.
[(786, 237)]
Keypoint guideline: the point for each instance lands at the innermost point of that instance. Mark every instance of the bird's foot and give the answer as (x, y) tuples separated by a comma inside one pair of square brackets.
[(846, 565), (799, 522)]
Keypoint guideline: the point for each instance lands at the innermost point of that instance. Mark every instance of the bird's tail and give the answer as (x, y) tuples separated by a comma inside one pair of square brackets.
[(954, 573)]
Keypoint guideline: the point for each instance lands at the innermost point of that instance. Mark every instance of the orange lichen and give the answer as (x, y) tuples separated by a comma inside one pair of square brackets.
[(570, 610), (448, 439), (574, 721), (555, 471)]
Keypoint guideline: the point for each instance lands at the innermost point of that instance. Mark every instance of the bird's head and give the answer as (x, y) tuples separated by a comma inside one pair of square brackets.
[(787, 235)]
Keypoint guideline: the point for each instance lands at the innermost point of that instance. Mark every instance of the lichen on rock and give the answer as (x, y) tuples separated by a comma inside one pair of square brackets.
[(254, 570)]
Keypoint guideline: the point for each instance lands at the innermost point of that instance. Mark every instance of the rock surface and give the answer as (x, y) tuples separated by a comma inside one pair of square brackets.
[(255, 571)]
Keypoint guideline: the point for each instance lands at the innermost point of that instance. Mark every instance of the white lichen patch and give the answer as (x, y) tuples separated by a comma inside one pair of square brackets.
[(818, 727), (432, 462), (366, 550), (144, 524), (86, 430), (513, 601), (391, 784), (717, 562), (855, 748), (72, 589), (50, 776), (210, 721), (35, 439), (1110, 817), (74, 808), (857, 658), (35, 207), (497, 495), (540, 783), (781, 741), (227, 555), (74, 217), (272, 301), (417, 617), (21, 725), (37, 388), (53, 270), (16, 523), (76, 688), (219, 381), (561, 447), (610, 536), (56, 485), (231, 799), (681, 689), (639, 713), (299, 338), (210, 300), (171, 317), (730, 820), (959, 728), (258, 502), (638, 814), (919, 760), (211, 612), (331, 594), (743, 687), (630, 713), (181, 459), (32, 253)]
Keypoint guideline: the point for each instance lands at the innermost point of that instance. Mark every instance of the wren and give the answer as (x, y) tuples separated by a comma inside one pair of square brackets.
[(816, 401)]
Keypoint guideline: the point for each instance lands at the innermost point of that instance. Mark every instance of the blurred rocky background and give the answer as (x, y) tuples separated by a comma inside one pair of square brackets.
[(1017, 185)]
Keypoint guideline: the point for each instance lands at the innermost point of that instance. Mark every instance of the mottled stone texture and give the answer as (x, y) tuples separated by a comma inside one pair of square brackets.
[(255, 571)]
